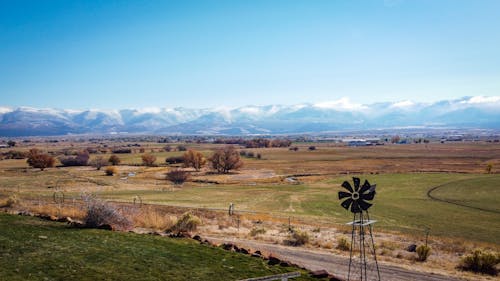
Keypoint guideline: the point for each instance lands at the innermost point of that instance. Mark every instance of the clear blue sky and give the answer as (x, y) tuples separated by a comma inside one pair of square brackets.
[(121, 54)]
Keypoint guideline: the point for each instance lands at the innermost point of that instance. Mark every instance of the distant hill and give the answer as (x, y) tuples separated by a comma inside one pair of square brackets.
[(468, 112)]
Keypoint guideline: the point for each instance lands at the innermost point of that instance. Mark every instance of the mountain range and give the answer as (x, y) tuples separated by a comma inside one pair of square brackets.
[(342, 115)]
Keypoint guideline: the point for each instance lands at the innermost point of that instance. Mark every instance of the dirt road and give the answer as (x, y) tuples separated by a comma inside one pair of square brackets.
[(336, 265)]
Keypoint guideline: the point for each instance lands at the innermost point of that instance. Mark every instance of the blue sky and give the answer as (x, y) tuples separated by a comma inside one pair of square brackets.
[(122, 54)]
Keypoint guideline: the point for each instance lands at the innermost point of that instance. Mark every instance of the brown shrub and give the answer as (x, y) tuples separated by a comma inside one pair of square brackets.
[(148, 159)]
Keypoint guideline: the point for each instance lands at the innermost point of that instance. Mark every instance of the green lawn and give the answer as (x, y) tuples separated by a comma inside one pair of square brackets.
[(32, 249), (401, 202)]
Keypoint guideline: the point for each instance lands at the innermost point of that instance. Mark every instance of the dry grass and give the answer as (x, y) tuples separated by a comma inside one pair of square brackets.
[(74, 212), (151, 217)]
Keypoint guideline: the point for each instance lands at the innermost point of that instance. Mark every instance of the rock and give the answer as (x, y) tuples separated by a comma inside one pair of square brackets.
[(412, 248), (227, 246), (334, 278), (53, 218), (285, 264), (244, 251), (320, 273), (197, 237), (273, 260), (105, 227), (256, 255), (64, 219)]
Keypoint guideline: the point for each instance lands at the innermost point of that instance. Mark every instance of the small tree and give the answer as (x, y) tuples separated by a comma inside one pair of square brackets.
[(148, 159), (177, 176), (225, 159), (98, 162), (11, 143), (114, 160), (37, 159), (195, 159), (81, 159)]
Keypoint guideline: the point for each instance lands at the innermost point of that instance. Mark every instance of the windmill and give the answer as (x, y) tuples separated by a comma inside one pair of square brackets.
[(356, 200)]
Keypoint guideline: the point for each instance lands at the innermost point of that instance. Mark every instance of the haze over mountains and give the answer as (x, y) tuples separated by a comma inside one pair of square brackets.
[(341, 115)]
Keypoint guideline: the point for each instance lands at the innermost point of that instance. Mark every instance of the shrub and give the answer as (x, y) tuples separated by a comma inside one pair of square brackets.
[(481, 261), (37, 159), (312, 147), (343, 244), (148, 159), (225, 159), (298, 238), (181, 148), (81, 159), (174, 160), (250, 154), (110, 171), (100, 213), (423, 252), (489, 167), (256, 231), (122, 150), (259, 156), (177, 176), (186, 223), (295, 148), (167, 148), (114, 160), (11, 201), (243, 153)]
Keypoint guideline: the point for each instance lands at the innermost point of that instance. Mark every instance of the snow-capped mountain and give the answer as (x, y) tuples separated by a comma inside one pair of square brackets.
[(467, 112)]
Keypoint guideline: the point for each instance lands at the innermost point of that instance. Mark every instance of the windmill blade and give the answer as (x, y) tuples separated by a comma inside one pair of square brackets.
[(367, 196), (373, 187), (346, 203), (355, 207), (365, 187), (343, 194), (347, 186), (356, 181), (364, 205)]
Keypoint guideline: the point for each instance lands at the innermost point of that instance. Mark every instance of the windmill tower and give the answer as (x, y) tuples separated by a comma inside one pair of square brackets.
[(363, 263)]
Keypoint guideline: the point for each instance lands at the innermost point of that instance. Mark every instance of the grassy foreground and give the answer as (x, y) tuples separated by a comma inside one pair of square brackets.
[(32, 249)]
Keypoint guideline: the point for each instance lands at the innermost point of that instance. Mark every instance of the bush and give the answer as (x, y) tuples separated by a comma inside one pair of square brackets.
[(312, 147), (481, 261), (11, 201), (81, 159), (295, 148), (148, 159), (186, 223), (181, 148), (177, 176), (101, 214), (110, 171), (174, 160), (343, 244), (298, 238), (423, 252), (37, 159), (122, 150)]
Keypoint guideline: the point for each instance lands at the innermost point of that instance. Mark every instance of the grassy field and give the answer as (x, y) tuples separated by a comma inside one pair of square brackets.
[(401, 202), (32, 249)]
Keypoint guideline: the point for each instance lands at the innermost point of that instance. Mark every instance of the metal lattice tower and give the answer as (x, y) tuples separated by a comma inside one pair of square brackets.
[(363, 263)]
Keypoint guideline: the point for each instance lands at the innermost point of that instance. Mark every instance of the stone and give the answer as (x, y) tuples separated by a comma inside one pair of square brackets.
[(412, 248), (273, 260), (320, 273)]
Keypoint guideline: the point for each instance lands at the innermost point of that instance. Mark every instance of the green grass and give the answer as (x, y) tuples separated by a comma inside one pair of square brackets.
[(401, 202), (32, 249)]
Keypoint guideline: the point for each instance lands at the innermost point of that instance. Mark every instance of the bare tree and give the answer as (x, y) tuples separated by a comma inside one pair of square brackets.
[(37, 159), (98, 162), (225, 159), (195, 159)]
